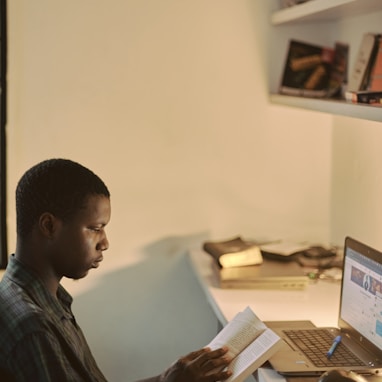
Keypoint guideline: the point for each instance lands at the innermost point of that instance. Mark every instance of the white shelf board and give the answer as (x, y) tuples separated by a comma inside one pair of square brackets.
[(315, 10), (368, 112)]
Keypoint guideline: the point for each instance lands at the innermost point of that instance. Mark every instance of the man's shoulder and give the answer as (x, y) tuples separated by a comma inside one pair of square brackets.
[(20, 320), (19, 314)]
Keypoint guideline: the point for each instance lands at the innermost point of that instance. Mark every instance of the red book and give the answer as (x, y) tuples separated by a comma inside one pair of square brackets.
[(376, 72)]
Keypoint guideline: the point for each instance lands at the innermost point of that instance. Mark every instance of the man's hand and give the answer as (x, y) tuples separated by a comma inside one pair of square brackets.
[(202, 365)]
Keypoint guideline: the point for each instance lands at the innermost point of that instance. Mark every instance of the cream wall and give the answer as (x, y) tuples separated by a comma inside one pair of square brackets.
[(167, 101), (356, 181)]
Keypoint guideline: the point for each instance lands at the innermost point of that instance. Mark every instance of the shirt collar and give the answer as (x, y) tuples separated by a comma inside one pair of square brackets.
[(26, 278)]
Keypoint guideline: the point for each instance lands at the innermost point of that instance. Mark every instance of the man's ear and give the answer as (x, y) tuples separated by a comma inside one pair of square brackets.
[(48, 224)]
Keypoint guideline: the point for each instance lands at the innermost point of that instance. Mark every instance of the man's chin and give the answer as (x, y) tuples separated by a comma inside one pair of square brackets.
[(77, 277)]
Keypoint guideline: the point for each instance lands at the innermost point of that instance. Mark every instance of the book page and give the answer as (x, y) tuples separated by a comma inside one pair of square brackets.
[(244, 328), (254, 355)]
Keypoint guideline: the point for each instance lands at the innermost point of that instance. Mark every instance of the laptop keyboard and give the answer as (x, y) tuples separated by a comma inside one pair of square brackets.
[(315, 344)]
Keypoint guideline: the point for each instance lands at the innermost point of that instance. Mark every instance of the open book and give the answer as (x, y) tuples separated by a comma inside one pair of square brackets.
[(250, 343)]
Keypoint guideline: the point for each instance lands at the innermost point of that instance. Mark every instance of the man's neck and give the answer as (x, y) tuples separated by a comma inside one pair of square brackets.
[(45, 271)]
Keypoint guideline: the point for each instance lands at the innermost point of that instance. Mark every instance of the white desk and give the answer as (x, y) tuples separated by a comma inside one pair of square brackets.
[(319, 302)]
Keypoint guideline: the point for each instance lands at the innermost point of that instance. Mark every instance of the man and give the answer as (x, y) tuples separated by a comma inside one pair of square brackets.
[(62, 211)]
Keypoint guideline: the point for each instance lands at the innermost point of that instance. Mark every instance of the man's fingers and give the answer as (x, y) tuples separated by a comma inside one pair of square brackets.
[(195, 354), (205, 354), (204, 365), (213, 360), (213, 354)]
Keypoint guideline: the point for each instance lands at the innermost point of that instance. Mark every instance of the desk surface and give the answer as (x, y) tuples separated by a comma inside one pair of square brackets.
[(319, 302)]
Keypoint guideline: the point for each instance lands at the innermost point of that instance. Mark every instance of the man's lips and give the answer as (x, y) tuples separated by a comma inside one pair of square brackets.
[(96, 263)]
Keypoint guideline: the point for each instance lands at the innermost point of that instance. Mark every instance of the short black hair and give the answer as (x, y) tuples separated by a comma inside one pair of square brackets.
[(58, 186)]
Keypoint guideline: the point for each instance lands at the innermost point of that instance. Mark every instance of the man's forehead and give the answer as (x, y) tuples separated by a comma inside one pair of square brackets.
[(96, 204)]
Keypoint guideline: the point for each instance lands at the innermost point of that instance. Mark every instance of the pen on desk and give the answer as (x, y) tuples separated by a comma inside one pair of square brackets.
[(335, 343)]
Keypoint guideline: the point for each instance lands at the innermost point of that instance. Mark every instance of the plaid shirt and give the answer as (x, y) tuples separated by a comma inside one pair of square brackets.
[(40, 340)]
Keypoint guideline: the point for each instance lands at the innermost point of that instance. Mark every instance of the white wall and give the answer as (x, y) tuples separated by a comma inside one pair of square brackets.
[(167, 101)]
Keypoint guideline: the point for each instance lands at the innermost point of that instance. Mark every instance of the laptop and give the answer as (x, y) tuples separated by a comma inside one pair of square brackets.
[(359, 324)]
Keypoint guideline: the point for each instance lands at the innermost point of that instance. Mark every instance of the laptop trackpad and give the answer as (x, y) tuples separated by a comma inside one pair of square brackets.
[(288, 356)]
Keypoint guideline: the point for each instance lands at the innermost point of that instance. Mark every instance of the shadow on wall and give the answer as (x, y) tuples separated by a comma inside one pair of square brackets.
[(139, 319)]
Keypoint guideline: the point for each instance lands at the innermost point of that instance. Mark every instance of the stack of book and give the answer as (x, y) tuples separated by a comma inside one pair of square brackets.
[(240, 264)]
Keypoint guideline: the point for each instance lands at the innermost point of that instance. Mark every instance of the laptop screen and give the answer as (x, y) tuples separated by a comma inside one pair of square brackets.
[(361, 294)]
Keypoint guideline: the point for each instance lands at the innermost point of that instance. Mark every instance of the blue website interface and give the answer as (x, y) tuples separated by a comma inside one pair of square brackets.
[(361, 305)]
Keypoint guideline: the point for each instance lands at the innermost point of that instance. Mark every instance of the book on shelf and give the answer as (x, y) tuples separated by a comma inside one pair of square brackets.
[(250, 342), (307, 70), (234, 252), (338, 77), (271, 274), (375, 82), (359, 78), (365, 96)]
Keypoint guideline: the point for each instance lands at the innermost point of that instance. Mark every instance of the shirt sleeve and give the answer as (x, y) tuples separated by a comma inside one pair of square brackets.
[(43, 359)]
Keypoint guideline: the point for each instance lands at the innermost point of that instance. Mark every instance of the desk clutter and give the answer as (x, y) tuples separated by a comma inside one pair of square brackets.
[(357, 303), (245, 264)]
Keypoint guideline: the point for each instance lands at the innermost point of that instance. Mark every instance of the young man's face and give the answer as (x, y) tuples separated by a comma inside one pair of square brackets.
[(79, 242)]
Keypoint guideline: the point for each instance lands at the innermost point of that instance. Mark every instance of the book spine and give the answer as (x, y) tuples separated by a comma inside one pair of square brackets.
[(358, 79), (376, 72), (372, 97)]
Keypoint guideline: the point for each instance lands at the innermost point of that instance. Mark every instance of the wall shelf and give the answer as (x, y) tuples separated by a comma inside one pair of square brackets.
[(323, 22), (369, 112), (319, 10)]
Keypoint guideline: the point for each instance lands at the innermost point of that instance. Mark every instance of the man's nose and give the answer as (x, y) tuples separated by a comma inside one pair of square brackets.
[(103, 245)]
